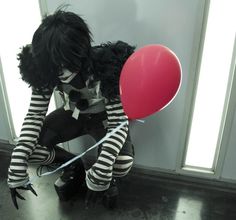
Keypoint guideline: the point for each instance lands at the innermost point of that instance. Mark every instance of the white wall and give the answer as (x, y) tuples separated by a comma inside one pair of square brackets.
[(5, 133), (4, 129), (230, 162), (174, 23)]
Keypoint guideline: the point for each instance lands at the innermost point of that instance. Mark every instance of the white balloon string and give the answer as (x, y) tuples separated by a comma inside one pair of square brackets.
[(80, 155), (139, 120)]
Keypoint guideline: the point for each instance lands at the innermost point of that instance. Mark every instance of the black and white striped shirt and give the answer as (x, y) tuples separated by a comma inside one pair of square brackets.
[(99, 176), (17, 173)]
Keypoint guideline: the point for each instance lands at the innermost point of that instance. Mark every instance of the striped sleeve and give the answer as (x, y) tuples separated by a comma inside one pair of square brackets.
[(99, 176), (17, 172)]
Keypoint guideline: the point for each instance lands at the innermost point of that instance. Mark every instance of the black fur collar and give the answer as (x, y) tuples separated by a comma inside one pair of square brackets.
[(107, 62)]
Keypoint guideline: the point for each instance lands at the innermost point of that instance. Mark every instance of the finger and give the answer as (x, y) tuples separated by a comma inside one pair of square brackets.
[(22, 188), (94, 198), (13, 197), (28, 187), (88, 198), (86, 203), (19, 196), (31, 189), (98, 198)]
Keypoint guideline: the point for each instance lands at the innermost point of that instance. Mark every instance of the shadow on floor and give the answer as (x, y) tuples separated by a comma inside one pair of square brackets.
[(141, 197)]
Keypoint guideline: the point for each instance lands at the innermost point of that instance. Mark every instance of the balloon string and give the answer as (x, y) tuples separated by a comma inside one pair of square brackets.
[(139, 120), (78, 156)]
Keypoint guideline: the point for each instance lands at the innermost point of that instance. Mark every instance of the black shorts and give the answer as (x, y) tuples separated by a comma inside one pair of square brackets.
[(59, 126)]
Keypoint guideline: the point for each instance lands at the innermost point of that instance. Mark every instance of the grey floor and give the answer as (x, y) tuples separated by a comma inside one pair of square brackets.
[(141, 197)]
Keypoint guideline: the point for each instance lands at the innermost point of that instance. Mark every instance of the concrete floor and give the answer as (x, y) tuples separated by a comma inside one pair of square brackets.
[(141, 197)]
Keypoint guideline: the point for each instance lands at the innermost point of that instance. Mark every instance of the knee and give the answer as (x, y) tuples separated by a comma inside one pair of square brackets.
[(42, 156), (48, 137), (122, 165)]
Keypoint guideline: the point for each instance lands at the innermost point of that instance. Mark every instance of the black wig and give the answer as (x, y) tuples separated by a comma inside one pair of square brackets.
[(62, 41), (108, 60)]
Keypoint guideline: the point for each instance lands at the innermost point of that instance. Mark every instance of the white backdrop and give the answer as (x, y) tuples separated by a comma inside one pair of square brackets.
[(174, 23)]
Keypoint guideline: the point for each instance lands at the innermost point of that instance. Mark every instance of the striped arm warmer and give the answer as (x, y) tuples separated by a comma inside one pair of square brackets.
[(17, 172), (99, 176)]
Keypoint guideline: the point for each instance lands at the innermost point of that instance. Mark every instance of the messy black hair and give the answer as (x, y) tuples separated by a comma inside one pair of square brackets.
[(62, 41), (108, 60)]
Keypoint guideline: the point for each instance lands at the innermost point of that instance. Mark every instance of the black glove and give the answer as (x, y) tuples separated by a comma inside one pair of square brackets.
[(15, 194), (93, 197)]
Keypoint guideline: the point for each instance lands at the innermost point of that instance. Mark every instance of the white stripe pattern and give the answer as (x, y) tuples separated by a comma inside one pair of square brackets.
[(42, 155), (27, 143), (122, 165), (99, 176)]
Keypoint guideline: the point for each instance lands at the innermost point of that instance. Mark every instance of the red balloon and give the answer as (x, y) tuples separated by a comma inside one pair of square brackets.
[(149, 80)]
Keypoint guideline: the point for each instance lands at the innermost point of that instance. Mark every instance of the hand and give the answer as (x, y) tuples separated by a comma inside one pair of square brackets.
[(15, 194), (92, 197)]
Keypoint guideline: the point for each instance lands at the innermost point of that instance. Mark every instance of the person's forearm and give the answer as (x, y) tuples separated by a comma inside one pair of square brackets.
[(28, 139), (99, 176)]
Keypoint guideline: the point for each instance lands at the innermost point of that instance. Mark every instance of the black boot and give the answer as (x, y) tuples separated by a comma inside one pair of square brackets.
[(71, 181), (110, 197)]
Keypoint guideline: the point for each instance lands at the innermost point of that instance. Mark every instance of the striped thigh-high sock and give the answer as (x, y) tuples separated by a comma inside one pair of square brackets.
[(42, 155), (122, 165)]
